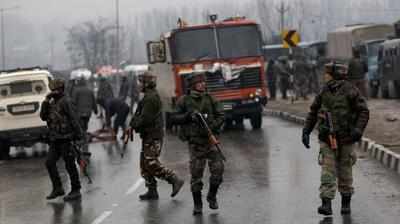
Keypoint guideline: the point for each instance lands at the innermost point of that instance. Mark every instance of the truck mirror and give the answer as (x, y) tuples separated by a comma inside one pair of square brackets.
[(156, 52)]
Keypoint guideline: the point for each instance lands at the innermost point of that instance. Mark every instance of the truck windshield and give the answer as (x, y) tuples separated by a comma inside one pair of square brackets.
[(233, 42), (239, 41), (194, 45)]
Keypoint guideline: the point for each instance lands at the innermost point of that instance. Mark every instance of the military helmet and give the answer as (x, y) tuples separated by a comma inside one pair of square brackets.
[(56, 84), (196, 78), (148, 79), (336, 70)]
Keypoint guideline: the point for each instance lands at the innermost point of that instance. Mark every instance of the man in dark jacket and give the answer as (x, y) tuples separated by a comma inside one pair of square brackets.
[(200, 150), (271, 79), (124, 88), (358, 70), (63, 124), (148, 121), (342, 115), (104, 93), (116, 107), (85, 103)]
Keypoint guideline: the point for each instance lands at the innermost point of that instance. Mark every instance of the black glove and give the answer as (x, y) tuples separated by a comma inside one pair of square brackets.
[(51, 95), (306, 139), (356, 134), (191, 117)]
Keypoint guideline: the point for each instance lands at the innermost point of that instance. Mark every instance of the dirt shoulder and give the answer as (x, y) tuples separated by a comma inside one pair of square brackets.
[(383, 126)]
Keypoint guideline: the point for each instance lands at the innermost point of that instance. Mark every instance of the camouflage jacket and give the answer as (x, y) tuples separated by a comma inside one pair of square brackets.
[(148, 118), (348, 108), (207, 105), (61, 119)]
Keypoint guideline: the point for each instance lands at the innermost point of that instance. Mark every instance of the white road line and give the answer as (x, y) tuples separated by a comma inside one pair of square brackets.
[(135, 186), (102, 217)]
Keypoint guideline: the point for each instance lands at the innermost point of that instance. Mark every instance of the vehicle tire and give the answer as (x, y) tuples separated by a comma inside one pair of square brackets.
[(4, 151), (396, 85), (256, 121), (373, 91), (239, 121), (385, 91), (228, 123)]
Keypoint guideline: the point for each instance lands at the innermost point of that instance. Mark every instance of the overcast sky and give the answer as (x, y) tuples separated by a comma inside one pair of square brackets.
[(70, 11)]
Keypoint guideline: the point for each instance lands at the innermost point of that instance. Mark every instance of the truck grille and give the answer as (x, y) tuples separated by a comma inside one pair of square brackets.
[(249, 78)]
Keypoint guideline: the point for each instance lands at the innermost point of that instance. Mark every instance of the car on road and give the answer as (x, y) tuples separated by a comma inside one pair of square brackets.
[(22, 92)]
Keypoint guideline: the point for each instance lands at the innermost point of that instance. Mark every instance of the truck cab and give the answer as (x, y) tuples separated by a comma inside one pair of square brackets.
[(229, 52)]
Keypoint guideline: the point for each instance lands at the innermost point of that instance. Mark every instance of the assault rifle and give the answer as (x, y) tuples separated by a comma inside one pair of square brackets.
[(213, 140), (327, 116), (128, 135), (82, 161)]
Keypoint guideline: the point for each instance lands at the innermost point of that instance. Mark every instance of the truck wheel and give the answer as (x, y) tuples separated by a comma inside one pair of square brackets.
[(374, 90), (239, 121), (256, 121), (385, 93), (396, 85), (4, 151)]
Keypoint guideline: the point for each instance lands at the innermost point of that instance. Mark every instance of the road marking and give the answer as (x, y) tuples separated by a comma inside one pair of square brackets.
[(135, 186), (102, 217)]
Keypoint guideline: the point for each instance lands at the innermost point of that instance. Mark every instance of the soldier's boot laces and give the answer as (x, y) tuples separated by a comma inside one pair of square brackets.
[(73, 195), (55, 193), (346, 199), (212, 197), (177, 184), (198, 203), (151, 194), (326, 207)]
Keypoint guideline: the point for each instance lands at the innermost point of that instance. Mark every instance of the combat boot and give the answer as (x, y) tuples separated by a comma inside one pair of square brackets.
[(212, 197), (346, 199), (198, 203), (326, 207), (73, 195), (176, 183), (55, 193), (151, 194)]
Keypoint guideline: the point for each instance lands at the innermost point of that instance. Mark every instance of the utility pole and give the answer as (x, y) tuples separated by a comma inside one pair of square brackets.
[(3, 40), (282, 10), (117, 35)]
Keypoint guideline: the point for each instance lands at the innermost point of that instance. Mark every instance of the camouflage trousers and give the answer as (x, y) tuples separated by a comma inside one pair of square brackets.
[(199, 156), (337, 166), (150, 166)]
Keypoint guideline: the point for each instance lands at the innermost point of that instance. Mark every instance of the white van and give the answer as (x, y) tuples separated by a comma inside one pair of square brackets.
[(22, 92)]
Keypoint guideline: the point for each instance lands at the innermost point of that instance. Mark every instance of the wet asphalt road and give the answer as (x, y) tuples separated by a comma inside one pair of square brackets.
[(269, 178)]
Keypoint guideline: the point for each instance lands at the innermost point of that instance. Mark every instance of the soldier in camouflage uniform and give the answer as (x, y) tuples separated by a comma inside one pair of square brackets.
[(201, 152), (350, 116), (148, 122), (63, 127)]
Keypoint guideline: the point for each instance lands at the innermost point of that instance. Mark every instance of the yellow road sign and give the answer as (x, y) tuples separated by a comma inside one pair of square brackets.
[(290, 38)]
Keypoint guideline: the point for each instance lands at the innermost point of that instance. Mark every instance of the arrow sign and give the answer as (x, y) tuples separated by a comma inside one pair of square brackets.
[(290, 38)]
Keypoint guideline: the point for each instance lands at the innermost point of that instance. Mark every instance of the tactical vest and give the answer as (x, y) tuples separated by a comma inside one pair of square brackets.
[(193, 132), (343, 117), (58, 122)]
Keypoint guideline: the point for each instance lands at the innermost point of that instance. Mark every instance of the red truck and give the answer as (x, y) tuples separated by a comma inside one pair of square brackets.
[(228, 51)]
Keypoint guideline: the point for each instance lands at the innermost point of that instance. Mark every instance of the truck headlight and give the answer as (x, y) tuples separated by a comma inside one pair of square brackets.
[(251, 95)]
